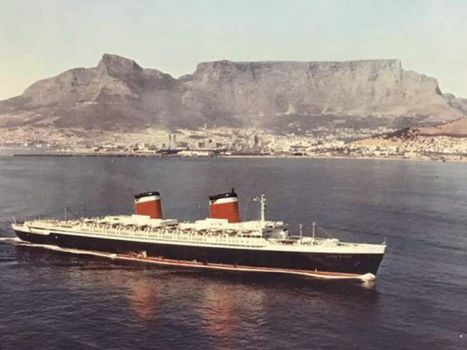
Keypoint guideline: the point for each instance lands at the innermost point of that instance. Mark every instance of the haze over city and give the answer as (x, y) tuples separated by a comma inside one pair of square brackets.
[(42, 39)]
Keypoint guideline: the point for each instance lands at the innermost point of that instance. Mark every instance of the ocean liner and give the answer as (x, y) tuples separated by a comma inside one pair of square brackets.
[(222, 241)]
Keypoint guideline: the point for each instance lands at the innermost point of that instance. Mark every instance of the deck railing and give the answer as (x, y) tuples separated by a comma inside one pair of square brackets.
[(162, 234)]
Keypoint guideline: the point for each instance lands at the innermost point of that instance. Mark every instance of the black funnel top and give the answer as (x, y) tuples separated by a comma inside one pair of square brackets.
[(147, 194), (223, 195)]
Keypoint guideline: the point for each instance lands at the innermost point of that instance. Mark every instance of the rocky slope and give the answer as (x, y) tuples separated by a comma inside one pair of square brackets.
[(118, 93), (456, 128), (453, 129)]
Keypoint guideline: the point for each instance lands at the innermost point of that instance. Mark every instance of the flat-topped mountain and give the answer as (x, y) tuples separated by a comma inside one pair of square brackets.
[(119, 93)]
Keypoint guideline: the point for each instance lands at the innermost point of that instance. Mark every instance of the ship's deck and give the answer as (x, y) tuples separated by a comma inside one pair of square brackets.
[(190, 234)]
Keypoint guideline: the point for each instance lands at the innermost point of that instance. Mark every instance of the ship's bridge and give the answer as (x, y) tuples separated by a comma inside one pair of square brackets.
[(272, 229)]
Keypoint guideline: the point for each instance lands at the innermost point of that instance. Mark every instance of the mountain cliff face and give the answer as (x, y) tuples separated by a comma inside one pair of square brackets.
[(118, 93)]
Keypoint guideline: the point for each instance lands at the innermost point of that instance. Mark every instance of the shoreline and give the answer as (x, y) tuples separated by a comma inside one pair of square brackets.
[(269, 156)]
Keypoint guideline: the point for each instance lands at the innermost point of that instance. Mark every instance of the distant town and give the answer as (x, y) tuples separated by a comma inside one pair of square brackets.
[(231, 142)]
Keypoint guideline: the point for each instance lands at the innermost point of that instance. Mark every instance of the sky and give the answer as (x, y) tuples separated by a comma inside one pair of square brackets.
[(42, 38)]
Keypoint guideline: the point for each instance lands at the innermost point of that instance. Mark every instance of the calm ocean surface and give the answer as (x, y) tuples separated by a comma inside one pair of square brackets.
[(53, 300)]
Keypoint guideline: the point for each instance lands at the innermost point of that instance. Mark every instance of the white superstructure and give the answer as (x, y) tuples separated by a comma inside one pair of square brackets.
[(268, 235)]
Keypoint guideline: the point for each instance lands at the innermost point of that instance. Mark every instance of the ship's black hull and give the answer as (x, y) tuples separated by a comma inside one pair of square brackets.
[(358, 264)]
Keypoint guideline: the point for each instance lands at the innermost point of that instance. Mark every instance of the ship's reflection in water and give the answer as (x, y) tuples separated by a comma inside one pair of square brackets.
[(219, 314), (226, 307), (143, 298), (221, 308), (107, 278)]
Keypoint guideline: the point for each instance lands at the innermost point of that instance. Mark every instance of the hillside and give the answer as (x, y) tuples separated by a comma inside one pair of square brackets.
[(457, 128)]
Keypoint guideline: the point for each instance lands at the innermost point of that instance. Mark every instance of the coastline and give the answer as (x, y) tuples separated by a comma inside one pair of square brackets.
[(235, 156)]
